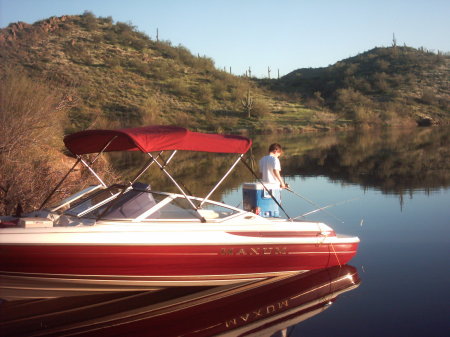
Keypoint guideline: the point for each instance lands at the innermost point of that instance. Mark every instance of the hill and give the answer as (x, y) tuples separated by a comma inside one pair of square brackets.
[(381, 85), (115, 75)]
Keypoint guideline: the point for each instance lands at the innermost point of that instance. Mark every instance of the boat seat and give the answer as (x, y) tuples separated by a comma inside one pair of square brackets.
[(209, 214)]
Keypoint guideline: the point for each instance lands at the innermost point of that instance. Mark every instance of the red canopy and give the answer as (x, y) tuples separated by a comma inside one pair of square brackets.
[(154, 138)]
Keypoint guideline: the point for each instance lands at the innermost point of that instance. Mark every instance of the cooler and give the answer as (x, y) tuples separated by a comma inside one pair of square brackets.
[(259, 201)]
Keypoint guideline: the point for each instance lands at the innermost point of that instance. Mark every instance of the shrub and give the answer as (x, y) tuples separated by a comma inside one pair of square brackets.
[(89, 20), (185, 56), (150, 111), (261, 109), (219, 89), (108, 20), (428, 97), (204, 94), (179, 87), (161, 70), (31, 117), (353, 105), (127, 116), (80, 120)]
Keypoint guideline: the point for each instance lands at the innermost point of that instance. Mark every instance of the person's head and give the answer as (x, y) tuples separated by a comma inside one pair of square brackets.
[(275, 149)]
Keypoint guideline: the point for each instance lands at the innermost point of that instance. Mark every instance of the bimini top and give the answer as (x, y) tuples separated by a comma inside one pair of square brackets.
[(154, 138)]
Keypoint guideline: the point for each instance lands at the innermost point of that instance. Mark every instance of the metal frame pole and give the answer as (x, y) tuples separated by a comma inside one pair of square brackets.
[(92, 170), (59, 184), (221, 180), (79, 158), (179, 187)]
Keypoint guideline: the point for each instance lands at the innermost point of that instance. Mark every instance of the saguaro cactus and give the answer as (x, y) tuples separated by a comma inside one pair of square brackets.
[(247, 103)]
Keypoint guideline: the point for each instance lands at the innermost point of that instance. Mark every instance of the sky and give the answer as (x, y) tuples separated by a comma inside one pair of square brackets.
[(283, 35)]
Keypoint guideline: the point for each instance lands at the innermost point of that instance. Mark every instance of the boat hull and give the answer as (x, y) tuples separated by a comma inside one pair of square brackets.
[(136, 267), (172, 260)]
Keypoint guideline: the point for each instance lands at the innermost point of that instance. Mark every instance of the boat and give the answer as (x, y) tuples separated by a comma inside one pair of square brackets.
[(259, 308), (131, 237)]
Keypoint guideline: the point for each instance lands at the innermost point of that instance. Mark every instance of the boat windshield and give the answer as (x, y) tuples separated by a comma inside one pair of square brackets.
[(141, 204), (179, 208), (67, 202), (94, 201)]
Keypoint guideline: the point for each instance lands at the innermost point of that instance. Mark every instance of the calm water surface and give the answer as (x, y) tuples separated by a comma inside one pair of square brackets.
[(392, 189), (402, 216), (403, 259)]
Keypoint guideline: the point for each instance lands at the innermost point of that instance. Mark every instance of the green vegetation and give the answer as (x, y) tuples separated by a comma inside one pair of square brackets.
[(394, 85), (118, 76)]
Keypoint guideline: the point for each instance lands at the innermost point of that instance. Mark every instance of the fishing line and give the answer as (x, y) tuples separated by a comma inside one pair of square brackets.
[(320, 208), (337, 258), (324, 207)]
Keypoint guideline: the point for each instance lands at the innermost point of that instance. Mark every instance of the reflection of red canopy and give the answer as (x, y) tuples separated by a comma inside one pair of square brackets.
[(154, 138)]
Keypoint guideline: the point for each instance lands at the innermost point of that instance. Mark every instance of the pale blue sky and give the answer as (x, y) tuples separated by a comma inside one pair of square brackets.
[(280, 34)]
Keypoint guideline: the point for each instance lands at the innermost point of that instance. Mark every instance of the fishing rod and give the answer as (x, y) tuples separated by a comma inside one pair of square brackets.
[(320, 208)]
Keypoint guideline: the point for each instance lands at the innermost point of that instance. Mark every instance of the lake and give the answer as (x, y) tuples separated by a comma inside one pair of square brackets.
[(401, 180), (391, 188)]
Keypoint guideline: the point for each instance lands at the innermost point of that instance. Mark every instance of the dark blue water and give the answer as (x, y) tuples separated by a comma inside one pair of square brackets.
[(403, 259)]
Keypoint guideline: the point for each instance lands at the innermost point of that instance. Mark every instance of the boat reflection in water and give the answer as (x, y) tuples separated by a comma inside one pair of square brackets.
[(252, 309)]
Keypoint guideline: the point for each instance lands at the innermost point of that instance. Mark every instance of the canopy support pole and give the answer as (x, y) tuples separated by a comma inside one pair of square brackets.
[(144, 169), (91, 170), (267, 190), (103, 150), (88, 165), (179, 187), (73, 167), (59, 184), (221, 180), (139, 174), (166, 162)]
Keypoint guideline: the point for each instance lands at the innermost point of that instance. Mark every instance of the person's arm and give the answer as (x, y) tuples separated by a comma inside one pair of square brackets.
[(277, 174)]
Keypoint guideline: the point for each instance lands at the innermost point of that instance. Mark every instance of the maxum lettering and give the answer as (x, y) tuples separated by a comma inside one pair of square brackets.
[(253, 251), (257, 314)]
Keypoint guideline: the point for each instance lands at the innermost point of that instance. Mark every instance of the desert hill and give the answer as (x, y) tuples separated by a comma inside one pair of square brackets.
[(380, 84), (114, 75)]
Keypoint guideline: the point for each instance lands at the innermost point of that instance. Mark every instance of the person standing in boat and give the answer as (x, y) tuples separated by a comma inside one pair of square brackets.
[(270, 166)]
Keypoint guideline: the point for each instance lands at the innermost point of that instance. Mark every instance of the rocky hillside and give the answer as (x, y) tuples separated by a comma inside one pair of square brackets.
[(383, 83), (116, 75), (113, 75)]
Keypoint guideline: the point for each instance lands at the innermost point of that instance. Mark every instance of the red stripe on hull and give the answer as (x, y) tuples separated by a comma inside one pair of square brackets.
[(140, 260)]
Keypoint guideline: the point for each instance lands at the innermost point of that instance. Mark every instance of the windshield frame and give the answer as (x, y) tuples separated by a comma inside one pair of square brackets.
[(70, 211), (165, 201)]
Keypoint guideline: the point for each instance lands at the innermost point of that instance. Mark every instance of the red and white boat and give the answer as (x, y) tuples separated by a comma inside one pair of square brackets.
[(130, 237)]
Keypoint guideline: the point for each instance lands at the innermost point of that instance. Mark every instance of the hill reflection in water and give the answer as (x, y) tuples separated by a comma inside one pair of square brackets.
[(395, 161), (251, 309)]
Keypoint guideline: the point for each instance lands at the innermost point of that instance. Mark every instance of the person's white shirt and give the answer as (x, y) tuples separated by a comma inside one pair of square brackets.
[(266, 166)]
